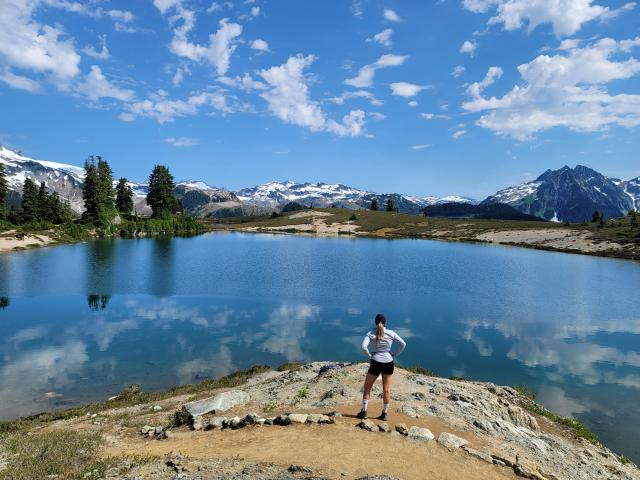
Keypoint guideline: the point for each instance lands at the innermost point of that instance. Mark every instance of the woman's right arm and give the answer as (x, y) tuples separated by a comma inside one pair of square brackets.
[(365, 346)]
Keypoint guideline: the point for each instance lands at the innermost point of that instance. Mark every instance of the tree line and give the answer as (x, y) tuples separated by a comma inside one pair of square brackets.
[(390, 207), (102, 201)]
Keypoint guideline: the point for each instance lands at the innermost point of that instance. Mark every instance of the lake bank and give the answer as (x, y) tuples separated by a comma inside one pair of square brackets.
[(490, 432), (586, 240)]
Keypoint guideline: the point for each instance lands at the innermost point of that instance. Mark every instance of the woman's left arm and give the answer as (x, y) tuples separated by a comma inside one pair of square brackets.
[(401, 342)]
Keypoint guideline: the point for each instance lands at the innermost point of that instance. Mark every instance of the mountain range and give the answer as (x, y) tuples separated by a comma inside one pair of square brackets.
[(558, 195)]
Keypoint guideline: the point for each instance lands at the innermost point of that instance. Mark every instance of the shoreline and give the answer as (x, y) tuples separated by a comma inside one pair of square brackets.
[(449, 428)]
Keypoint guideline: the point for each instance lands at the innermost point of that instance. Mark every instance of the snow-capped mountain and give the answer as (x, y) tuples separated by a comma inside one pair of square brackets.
[(569, 194), (67, 180), (277, 194), (632, 189)]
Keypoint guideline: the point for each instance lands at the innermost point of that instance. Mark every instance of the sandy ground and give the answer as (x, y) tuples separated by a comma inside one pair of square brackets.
[(335, 451), (9, 242), (317, 226), (550, 238)]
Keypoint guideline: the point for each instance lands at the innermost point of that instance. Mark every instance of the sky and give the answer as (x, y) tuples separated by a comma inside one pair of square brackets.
[(419, 97)]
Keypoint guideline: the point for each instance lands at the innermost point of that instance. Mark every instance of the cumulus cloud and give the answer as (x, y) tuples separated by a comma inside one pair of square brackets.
[(30, 45), (162, 109), (383, 38), (340, 100), (96, 86), (565, 16), (259, 45), (288, 99), (468, 47), (181, 141), (365, 75), (567, 89), (458, 134), (406, 90), (391, 16), (458, 71), (18, 81), (246, 83), (220, 46)]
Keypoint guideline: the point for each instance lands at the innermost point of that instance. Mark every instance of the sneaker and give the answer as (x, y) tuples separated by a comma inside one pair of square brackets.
[(383, 416), (362, 415)]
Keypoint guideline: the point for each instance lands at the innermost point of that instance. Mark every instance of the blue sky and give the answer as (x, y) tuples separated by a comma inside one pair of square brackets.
[(419, 97)]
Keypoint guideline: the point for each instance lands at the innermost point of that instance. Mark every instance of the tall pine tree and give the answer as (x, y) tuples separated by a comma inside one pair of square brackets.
[(160, 197), (4, 192), (391, 205), (90, 190), (30, 210), (374, 205), (106, 194), (124, 197), (44, 205)]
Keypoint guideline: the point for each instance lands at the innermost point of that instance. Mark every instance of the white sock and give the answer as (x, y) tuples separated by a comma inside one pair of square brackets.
[(385, 407), (365, 404)]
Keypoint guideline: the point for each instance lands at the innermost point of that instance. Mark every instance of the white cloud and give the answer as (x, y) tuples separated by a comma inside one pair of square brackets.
[(246, 83), (18, 81), (178, 77), (458, 134), (103, 54), (413, 104), (383, 38), (468, 47), (288, 99), (405, 89), (567, 90), (458, 71), (215, 6), (220, 46), (255, 11), (365, 74), (475, 89), (391, 16), (96, 86), (30, 45), (260, 45), (377, 116), (357, 8), (420, 147), (565, 16), (163, 110), (356, 94), (181, 141)]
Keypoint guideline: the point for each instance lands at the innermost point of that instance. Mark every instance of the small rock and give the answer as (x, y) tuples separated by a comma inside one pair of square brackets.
[(481, 455), (217, 422), (94, 415), (158, 430), (367, 425), (146, 429), (157, 408), (235, 422), (500, 463), (251, 418), (402, 429), (314, 418), (422, 434), (282, 420), (270, 421), (419, 396), (261, 421), (435, 391), (198, 423), (334, 414), (383, 427), (299, 469), (450, 440), (298, 417)]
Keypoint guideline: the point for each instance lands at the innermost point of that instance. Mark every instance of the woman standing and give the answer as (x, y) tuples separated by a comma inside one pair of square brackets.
[(381, 340)]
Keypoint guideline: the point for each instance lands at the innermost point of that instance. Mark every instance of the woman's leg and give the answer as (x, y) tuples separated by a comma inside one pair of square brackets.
[(368, 384), (386, 388)]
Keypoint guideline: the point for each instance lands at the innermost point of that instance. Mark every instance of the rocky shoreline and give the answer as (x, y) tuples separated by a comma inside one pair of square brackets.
[(300, 423)]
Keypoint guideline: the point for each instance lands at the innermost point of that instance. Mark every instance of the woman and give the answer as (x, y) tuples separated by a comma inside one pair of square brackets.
[(381, 362)]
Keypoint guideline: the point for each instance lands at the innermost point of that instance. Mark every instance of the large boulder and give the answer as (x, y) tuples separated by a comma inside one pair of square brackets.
[(218, 403), (450, 440)]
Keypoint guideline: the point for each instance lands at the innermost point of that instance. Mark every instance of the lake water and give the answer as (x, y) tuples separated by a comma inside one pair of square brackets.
[(85, 320)]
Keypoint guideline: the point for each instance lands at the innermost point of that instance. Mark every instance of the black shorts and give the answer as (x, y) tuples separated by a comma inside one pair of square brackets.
[(377, 368)]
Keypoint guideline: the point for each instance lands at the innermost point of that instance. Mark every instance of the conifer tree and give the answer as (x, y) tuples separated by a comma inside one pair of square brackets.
[(4, 192), (160, 197), (30, 210), (106, 193), (44, 203), (90, 189), (124, 197), (391, 205), (374, 205)]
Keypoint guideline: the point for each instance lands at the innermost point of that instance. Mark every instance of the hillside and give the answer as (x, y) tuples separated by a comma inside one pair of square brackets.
[(494, 211), (244, 425)]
